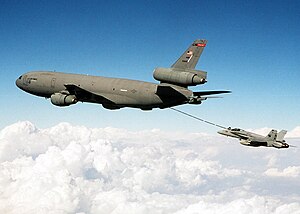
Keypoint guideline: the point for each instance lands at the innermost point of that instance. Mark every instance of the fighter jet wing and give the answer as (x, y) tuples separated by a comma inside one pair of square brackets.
[(244, 136), (84, 95), (205, 93)]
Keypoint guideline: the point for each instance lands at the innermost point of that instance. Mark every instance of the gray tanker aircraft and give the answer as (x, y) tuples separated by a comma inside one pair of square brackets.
[(273, 139), (65, 89)]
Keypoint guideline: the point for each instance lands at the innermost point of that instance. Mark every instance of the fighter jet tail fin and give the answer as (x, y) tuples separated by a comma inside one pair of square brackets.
[(190, 57), (272, 135), (281, 135)]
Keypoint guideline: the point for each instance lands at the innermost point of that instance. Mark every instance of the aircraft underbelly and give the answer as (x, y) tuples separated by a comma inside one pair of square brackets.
[(129, 100), (253, 143)]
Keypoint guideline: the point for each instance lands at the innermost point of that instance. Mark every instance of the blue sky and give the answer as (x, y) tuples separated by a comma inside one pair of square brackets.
[(252, 50)]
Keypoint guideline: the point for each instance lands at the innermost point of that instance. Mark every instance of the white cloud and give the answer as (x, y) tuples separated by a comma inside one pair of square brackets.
[(295, 133), (262, 131), (75, 169), (272, 159), (256, 204), (291, 171)]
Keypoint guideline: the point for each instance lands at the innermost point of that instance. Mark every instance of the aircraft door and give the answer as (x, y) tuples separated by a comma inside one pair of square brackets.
[(53, 82)]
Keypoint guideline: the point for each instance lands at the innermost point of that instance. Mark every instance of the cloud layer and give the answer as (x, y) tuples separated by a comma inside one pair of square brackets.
[(75, 169)]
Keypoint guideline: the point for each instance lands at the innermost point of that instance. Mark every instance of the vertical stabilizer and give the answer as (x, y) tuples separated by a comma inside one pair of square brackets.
[(281, 135), (190, 57), (272, 135)]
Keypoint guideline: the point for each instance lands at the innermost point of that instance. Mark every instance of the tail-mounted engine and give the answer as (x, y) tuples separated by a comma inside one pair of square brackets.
[(182, 77), (60, 99)]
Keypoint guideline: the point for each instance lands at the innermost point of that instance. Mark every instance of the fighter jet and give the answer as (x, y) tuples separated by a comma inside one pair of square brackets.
[(273, 139), (65, 89)]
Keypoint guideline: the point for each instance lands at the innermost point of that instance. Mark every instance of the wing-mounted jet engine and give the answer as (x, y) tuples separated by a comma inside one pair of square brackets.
[(63, 99)]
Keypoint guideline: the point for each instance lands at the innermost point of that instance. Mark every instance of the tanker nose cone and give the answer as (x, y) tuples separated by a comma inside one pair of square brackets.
[(19, 82)]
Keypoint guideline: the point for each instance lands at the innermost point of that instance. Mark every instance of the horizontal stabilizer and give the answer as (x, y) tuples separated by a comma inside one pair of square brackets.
[(205, 93)]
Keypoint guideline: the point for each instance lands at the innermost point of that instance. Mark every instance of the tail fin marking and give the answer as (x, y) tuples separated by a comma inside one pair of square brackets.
[(190, 57)]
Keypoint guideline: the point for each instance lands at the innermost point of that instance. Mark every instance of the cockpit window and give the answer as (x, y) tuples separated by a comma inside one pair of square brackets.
[(237, 130), (20, 77), (31, 79)]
